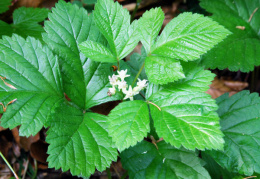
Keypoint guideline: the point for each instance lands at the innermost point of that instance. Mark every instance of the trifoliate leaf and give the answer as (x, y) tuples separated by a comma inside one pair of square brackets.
[(162, 70), (149, 26), (79, 142), (4, 5), (129, 123), (240, 51), (85, 82), (188, 36), (115, 26), (96, 51), (33, 79), (145, 161), (25, 22), (240, 124), (183, 114)]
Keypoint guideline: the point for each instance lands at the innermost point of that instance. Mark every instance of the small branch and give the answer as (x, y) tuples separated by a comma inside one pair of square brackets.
[(5, 107), (154, 105), (154, 142), (250, 177), (116, 170), (251, 16), (9, 166)]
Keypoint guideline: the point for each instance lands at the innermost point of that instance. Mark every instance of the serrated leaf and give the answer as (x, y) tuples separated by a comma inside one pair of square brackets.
[(162, 70), (196, 79), (145, 161), (129, 123), (25, 22), (240, 124), (79, 142), (183, 114), (96, 51), (34, 71), (85, 81), (4, 5), (240, 51), (115, 26), (149, 26), (188, 36)]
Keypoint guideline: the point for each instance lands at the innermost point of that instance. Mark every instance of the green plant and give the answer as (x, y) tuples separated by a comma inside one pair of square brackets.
[(25, 21), (174, 113)]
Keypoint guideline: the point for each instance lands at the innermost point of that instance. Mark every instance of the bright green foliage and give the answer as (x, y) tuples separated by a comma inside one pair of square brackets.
[(79, 142), (25, 22), (34, 71), (145, 161), (85, 81), (240, 123), (115, 26), (186, 115), (162, 70), (129, 123), (188, 36), (185, 38), (150, 25), (4, 5), (241, 50), (96, 51)]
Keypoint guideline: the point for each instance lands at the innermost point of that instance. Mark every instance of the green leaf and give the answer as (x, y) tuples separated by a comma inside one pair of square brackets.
[(129, 123), (25, 22), (96, 51), (149, 26), (240, 51), (79, 142), (115, 26), (188, 36), (161, 70), (85, 82), (240, 124), (4, 5), (145, 161), (34, 71), (183, 114), (197, 79)]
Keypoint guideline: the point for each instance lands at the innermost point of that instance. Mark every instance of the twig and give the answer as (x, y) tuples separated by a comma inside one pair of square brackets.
[(117, 173), (9, 166), (241, 27), (251, 16), (26, 168), (250, 177), (7, 84)]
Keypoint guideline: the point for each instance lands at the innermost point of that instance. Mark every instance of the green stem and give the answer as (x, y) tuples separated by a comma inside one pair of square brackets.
[(35, 169), (7, 163), (108, 173), (135, 10), (137, 75), (118, 67)]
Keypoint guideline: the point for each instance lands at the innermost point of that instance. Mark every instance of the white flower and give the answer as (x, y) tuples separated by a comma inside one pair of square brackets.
[(111, 91), (122, 74), (141, 84), (113, 80), (129, 94), (122, 85)]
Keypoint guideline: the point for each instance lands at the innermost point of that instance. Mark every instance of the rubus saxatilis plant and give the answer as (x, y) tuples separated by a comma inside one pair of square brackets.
[(162, 93)]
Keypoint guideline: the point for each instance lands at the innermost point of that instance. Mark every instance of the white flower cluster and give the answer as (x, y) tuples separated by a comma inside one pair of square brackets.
[(118, 81)]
